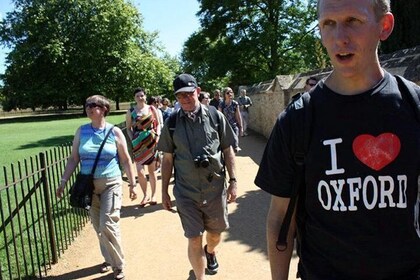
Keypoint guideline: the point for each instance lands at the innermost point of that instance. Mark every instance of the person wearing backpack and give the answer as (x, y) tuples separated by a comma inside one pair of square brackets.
[(349, 154), (197, 142)]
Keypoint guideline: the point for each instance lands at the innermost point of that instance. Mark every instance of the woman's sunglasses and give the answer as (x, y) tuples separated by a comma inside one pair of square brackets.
[(93, 105)]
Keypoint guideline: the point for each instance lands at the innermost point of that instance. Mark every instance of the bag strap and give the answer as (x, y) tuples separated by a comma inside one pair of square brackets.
[(214, 118), (100, 150), (407, 90), (301, 120), (171, 122)]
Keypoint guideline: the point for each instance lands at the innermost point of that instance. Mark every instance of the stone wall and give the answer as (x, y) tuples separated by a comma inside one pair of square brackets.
[(271, 97)]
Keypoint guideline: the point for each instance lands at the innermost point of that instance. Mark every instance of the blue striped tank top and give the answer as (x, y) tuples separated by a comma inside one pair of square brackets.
[(90, 141)]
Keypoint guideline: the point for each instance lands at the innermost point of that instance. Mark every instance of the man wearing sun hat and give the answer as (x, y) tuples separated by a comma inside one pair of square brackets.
[(198, 149)]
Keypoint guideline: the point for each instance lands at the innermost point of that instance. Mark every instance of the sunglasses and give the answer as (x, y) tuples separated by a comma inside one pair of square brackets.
[(93, 105), (183, 95)]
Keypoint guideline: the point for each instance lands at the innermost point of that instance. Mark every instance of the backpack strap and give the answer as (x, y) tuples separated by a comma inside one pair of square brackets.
[(301, 120), (408, 91), (214, 119), (172, 123)]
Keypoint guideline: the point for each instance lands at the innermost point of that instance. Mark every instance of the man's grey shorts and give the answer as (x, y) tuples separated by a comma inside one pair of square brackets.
[(196, 218)]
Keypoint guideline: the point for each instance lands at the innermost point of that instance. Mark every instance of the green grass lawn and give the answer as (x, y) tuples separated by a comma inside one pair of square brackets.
[(24, 137)]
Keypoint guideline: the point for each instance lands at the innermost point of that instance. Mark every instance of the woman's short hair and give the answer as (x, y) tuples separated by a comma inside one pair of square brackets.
[(100, 100), (203, 95)]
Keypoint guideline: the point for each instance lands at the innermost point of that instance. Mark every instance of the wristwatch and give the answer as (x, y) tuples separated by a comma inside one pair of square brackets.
[(232, 180)]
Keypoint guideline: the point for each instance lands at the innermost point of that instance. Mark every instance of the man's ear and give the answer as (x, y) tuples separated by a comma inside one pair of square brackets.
[(198, 89), (387, 24)]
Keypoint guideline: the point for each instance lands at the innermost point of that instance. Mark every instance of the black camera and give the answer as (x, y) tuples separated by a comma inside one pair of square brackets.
[(202, 161)]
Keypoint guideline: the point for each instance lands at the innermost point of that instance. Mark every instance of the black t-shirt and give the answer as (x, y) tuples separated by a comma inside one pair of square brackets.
[(361, 174)]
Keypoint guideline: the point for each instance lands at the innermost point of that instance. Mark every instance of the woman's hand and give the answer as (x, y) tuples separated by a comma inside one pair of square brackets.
[(60, 190), (133, 192)]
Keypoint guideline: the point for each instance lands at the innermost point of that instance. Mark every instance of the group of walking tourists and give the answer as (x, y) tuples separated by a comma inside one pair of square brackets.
[(341, 165)]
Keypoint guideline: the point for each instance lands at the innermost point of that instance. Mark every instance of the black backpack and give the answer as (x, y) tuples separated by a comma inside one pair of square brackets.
[(302, 121)]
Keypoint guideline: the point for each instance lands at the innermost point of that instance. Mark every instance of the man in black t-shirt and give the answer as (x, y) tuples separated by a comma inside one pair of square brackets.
[(361, 194)]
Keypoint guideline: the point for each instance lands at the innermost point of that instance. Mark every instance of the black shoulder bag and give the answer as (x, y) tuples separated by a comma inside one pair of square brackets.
[(82, 190)]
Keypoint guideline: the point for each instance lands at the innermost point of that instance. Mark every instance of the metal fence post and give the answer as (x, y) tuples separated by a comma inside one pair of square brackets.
[(48, 207)]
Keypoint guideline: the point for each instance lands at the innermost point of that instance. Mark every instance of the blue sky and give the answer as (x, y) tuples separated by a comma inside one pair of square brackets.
[(175, 20)]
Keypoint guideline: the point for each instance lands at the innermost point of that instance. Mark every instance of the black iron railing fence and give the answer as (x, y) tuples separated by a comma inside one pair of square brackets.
[(35, 227)]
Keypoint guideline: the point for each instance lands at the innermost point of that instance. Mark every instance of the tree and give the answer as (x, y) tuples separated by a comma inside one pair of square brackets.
[(249, 41), (66, 50), (405, 34)]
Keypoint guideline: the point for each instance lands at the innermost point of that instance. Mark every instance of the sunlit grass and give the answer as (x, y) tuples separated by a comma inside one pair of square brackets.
[(22, 138)]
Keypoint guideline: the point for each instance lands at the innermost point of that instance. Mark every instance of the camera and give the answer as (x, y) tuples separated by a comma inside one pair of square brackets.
[(202, 161)]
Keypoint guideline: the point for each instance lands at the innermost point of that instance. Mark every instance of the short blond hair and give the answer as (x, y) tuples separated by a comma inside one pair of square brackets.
[(380, 8)]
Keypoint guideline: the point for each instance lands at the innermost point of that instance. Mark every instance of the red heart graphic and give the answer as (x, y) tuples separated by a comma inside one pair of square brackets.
[(376, 152)]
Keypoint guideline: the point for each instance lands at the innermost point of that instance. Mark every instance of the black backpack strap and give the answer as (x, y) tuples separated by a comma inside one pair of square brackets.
[(301, 119), (172, 123), (215, 119), (407, 91)]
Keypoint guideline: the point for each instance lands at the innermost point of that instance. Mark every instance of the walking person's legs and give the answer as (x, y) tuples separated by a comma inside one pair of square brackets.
[(152, 179), (108, 195), (94, 213), (196, 256), (142, 179), (245, 121), (213, 239)]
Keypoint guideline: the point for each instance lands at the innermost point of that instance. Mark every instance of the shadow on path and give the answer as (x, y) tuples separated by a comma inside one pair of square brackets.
[(247, 223), (252, 146), (82, 273)]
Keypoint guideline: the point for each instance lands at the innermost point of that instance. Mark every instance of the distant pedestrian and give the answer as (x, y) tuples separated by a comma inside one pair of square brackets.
[(216, 100), (204, 98), (166, 108), (244, 103), (230, 108), (310, 83)]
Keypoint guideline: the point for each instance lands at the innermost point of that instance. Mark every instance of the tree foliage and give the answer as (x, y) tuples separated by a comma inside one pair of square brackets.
[(246, 41), (406, 31), (66, 50)]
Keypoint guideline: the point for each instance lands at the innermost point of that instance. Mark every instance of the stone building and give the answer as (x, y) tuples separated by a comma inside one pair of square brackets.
[(271, 97)]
